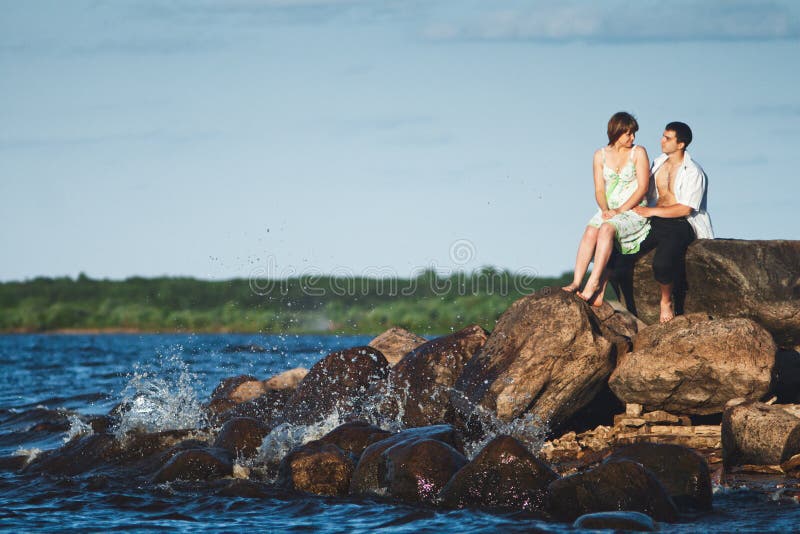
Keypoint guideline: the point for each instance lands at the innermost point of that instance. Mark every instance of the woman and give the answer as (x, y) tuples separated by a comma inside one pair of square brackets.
[(621, 178)]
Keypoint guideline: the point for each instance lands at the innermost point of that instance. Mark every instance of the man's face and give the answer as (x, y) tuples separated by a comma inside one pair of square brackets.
[(669, 142)]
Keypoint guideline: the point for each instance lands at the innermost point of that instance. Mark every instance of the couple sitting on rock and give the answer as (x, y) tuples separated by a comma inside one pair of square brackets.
[(642, 207)]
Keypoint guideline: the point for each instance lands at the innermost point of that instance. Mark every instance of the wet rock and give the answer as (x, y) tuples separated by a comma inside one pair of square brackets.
[(12, 463), (694, 365), (422, 380), (616, 521), (612, 486), (241, 436), (234, 390), (503, 476), (268, 408), (196, 464), (396, 343), (682, 472), (354, 437), (287, 379), (77, 456), (759, 434), (759, 280), (318, 468), (416, 471), (338, 382), (370, 478), (546, 356)]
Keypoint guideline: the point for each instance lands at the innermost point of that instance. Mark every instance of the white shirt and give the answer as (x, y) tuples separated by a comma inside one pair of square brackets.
[(691, 189)]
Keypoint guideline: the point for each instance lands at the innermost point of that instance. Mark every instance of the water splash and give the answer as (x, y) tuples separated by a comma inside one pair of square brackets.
[(285, 437), (163, 398), (30, 454), (77, 428)]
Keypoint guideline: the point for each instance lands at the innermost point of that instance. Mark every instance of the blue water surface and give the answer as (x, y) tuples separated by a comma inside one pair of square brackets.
[(45, 379)]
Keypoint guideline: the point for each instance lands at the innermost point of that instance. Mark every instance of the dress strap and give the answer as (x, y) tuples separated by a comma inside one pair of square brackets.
[(633, 151), (603, 150)]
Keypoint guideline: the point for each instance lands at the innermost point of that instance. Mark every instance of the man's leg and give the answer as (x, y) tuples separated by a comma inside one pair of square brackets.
[(675, 237)]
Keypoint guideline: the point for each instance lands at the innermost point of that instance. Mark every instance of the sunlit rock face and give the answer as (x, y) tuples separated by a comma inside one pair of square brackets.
[(759, 280), (338, 382), (546, 356), (694, 365), (318, 468), (754, 433), (395, 343)]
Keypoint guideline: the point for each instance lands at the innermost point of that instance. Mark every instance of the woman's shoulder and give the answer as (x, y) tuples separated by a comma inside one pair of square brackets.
[(639, 152)]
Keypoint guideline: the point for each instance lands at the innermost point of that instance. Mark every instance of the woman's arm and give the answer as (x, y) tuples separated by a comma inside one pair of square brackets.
[(642, 163), (599, 182)]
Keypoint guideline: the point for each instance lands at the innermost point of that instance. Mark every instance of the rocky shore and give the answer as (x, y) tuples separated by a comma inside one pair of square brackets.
[(564, 411)]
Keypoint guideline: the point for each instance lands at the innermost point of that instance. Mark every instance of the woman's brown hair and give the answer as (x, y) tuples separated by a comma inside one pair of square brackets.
[(620, 123)]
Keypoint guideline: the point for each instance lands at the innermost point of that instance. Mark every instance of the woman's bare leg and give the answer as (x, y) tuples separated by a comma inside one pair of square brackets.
[(667, 309), (585, 253), (592, 293)]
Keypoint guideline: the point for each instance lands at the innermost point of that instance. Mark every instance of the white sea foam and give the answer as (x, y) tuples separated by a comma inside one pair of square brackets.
[(77, 428), (30, 453), (163, 398)]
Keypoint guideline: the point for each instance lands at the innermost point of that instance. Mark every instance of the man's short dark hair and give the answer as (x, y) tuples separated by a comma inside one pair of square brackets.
[(683, 134)]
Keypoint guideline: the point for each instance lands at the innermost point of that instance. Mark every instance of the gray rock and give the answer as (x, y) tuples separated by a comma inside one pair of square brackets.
[(617, 521)]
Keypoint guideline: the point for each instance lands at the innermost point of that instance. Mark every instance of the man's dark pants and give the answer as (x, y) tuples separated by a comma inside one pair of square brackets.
[(670, 238)]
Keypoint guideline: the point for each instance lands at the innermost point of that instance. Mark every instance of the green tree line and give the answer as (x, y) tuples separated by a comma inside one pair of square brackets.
[(428, 304)]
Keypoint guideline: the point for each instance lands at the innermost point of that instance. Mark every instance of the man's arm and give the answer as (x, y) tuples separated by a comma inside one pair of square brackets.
[(665, 212)]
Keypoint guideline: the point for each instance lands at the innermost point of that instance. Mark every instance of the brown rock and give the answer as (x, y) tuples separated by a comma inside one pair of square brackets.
[(759, 280), (268, 408), (694, 365), (196, 464), (369, 477), (234, 390), (337, 382), (241, 436), (618, 485), (682, 472), (416, 471), (287, 379), (504, 476), (396, 343), (759, 434), (421, 381), (354, 437), (318, 468), (546, 356)]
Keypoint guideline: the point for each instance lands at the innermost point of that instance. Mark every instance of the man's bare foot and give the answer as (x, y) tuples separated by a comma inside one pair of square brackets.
[(571, 288), (666, 311), (592, 295)]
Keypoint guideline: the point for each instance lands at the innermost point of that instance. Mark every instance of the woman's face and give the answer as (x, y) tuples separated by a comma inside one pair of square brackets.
[(626, 140)]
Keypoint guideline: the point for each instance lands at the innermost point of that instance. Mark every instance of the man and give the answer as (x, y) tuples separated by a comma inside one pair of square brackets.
[(677, 212)]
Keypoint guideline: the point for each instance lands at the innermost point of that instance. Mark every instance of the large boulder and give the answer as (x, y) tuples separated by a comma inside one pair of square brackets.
[(318, 468), (396, 343), (759, 434), (286, 380), (355, 436), (759, 280), (268, 408), (618, 485), (338, 382), (620, 521), (370, 477), (417, 470), (546, 356), (241, 436), (503, 476), (422, 380), (235, 390), (196, 464), (682, 472), (694, 365)]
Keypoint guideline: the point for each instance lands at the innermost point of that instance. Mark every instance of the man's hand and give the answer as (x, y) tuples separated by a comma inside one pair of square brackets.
[(609, 214), (643, 211)]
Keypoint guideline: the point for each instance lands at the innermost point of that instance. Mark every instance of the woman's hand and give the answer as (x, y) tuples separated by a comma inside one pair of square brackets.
[(609, 214)]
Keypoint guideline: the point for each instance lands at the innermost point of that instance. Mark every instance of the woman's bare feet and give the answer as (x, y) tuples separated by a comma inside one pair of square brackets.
[(667, 314), (592, 294), (571, 288)]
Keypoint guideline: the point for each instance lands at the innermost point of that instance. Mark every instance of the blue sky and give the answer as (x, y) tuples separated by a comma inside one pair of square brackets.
[(224, 139)]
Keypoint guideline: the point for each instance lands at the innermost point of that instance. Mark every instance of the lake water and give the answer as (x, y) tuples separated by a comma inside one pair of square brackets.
[(50, 384)]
